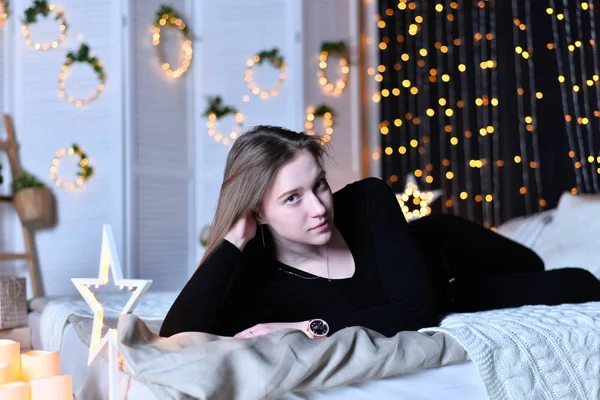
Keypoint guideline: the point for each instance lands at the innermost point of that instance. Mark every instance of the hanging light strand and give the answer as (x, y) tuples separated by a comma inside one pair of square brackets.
[(466, 122), (400, 66), (443, 117), (592, 13), (406, 98), (453, 172), (575, 93), (563, 92), (496, 159), (416, 95), (487, 66), (386, 112), (591, 8), (522, 158), (585, 120), (541, 203), (426, 100), (478, 15), (582, 165)]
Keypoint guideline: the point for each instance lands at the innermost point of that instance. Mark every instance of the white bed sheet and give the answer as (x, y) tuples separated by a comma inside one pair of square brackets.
[(459, 381)]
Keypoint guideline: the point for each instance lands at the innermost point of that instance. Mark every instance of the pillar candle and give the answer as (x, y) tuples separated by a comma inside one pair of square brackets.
[(14, 391), (10, 353), (54, 387), (38, 364), (4, 373)]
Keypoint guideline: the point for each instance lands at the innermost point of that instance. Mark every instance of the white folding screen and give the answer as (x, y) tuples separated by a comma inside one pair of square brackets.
[(160, 143), (46, 123)]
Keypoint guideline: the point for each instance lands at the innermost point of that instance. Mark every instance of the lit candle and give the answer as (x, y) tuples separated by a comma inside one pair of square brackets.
[(39, 364), (9, 353), (14, 391), (60, 387)]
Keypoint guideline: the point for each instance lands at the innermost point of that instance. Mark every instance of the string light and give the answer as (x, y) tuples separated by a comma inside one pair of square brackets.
[(3, 12), (327, 114), (85, 173), (339, 50), (211, 124), (60, 16), (590, 82), (277, 62), (582, 176), (172, 20), (527, 118), (81, 57)]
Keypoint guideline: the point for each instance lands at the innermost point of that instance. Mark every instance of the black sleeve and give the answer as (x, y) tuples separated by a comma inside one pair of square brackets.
[(228, 293), (400, 265), (198, 307)]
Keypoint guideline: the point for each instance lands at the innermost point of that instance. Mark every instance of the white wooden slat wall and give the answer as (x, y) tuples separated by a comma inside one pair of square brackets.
[(161, 149), (7, 214), (45, 123), (231, 32), (331, 21)]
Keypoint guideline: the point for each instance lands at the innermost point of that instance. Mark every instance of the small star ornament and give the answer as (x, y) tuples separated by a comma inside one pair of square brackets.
[(414, 202), (109, 261)]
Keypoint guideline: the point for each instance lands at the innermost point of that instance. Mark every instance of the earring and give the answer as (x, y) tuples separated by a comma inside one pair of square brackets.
[(262, 233)]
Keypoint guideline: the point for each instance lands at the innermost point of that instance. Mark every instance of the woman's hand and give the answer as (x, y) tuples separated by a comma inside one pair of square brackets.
[(242, 231), (263, 329)]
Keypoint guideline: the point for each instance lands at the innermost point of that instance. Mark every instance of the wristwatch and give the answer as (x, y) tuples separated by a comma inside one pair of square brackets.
[(318, 328)]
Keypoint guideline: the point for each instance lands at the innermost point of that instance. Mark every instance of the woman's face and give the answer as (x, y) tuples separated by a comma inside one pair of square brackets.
[(298, 206)]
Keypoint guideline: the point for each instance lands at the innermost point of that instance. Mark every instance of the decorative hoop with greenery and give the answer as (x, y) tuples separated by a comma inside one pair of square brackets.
[(277, 61), (166, 16), (42, 7), (216, 110), (339, 50)]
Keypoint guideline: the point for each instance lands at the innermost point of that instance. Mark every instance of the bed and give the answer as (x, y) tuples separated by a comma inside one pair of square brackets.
[(460, 380), (529, 352)]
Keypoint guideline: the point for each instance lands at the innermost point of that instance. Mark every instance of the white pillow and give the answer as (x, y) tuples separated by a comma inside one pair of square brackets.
[(526, 230), (573, 237)]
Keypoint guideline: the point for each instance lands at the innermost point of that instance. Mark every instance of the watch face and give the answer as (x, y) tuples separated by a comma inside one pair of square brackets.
[(319, 327)]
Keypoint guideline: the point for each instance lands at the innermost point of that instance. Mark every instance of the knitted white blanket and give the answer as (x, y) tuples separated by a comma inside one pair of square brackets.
[(533, 352)]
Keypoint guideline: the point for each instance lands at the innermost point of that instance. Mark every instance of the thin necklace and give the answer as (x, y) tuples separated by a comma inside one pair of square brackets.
[(327, 258), (315, 277)]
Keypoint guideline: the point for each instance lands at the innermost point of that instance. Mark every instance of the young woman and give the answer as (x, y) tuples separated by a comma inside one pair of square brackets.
[(287, 253)]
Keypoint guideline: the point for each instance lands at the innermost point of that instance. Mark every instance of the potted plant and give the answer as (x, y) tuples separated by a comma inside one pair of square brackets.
[(33, 200)]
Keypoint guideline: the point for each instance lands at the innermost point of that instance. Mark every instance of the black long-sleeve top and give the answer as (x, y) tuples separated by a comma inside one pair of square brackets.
[(389, 292)]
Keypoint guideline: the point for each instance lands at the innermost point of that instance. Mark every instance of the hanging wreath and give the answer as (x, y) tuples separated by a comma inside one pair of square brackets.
[(83, 55), (339, 50), (3, 11), (41, 7), (84, 173), (325, 112), (277, 61), (167, 17), (217, 110)]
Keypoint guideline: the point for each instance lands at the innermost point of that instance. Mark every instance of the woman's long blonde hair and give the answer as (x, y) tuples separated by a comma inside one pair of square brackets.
[(252, 164)]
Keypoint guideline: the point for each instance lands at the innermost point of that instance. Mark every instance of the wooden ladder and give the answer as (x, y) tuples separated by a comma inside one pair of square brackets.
[(11, 146)]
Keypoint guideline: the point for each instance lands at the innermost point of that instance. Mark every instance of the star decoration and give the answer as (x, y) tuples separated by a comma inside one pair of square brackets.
[(414, 202), (109, 261)]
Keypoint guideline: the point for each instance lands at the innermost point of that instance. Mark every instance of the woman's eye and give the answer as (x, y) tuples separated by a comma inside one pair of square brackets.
[(292, 199), (322, 184)]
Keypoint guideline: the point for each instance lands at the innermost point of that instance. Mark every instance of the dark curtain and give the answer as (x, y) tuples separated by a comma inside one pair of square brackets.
[(468, 146)]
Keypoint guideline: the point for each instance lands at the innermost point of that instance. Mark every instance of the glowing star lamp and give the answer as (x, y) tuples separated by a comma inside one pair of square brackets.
[(109, 260), (421, 200)]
